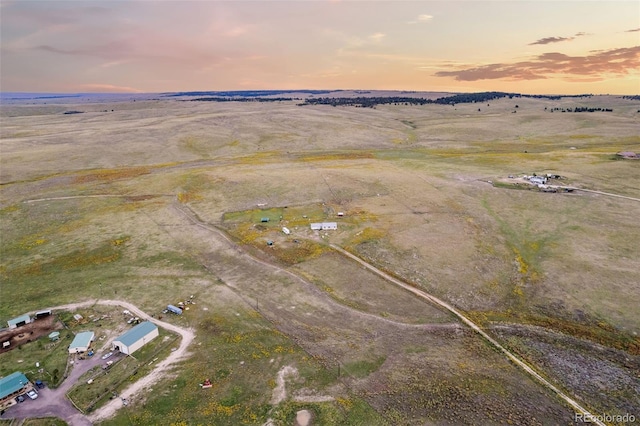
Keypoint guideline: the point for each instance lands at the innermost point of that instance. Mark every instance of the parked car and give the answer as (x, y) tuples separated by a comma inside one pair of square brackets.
[(107, 355), (40, 384), (19, 398), (32, 394)]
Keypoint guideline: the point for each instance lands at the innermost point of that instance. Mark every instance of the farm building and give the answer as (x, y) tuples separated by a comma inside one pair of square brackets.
[(324, 226), (43, 314), (19, 321), (136, 338), (12, 385), (628, 155), (81, 342), (538, 180)]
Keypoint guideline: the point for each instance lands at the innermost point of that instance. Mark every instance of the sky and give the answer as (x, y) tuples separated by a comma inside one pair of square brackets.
[(537, 47)]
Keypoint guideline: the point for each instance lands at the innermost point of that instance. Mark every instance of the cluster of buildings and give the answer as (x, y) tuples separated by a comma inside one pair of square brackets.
[(316, 226), (324, 226), (541, 179), (127, 343), (628, 155), (16, 384)]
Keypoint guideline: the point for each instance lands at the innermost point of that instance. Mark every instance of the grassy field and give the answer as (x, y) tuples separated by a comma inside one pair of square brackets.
[(52, 357), (241, 354), (91, 206), (44, 422)]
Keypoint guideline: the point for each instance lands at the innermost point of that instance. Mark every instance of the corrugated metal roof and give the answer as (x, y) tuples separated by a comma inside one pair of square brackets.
[(82, 340), (136, 333), (12, 383), (16, 320)]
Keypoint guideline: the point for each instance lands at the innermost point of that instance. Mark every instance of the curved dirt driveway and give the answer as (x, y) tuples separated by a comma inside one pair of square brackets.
[(162, 367)]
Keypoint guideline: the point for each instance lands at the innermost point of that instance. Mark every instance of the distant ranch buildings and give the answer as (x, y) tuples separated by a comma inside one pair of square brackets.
[(324, 226), (628, 155)]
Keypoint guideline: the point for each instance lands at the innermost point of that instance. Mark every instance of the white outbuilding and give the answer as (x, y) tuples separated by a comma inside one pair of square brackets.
[(324, 226), (135, 338), (81, 342)]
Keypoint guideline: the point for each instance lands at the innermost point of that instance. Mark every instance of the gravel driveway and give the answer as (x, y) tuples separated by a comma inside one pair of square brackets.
[(53, 402)]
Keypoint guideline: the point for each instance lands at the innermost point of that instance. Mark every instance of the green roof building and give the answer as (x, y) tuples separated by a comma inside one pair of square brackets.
[(81, 342), (11, 385), (136, 338), (19, 321)]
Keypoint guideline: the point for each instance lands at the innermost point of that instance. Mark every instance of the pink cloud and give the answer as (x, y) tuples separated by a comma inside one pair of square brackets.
[(619, 61), (548, 40)]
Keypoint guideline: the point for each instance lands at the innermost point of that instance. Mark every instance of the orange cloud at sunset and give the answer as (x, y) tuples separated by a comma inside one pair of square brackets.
[(597, 65)]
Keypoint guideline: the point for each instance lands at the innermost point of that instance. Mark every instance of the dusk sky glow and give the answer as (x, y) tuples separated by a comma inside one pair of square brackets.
[(454, 46)]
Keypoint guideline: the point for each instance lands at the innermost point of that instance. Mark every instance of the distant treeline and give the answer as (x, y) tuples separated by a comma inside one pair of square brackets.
[(581, 109), (249, 93), (221, 99), (363, 101), (461, 98), (632, 97)]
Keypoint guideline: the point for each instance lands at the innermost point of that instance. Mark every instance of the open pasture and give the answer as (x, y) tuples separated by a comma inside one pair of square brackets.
[(159, 200)]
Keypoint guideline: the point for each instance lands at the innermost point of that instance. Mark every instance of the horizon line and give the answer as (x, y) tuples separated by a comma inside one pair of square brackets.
[(186, 92)]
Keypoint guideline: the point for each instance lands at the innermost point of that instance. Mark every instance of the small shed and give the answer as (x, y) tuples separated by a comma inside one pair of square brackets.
[(136, 338), (264, 219), (19, 321), (81, 342), (54, 335)]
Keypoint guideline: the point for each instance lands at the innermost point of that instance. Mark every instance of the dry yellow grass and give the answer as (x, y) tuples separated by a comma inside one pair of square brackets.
[(421, 210)]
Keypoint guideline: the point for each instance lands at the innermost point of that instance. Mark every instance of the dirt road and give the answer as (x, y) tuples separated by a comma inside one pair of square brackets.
[(191, 216), (574, 404), (608, 194)]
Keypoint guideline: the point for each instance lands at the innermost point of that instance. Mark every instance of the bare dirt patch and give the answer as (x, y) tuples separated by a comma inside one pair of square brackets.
[(29, 332)]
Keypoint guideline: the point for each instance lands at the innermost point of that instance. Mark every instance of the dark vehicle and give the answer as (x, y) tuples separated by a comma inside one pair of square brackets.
[(19, 398), (40, 384)]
